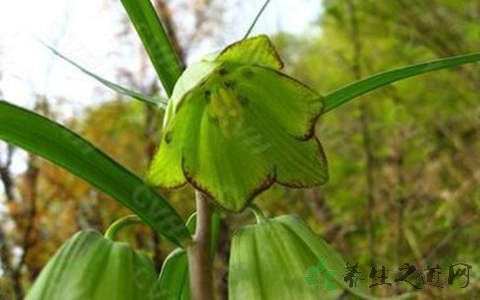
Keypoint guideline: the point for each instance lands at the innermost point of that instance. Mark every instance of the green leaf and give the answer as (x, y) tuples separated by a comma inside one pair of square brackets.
[(310, 280), (329, 275), (115, 87), (358, 88), (63, 147), (313, 271), (330, 286), (174, 283), (322, 265), (156, 41)]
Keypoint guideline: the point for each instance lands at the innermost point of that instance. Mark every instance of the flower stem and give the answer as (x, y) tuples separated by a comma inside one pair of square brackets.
[(121, 223), (258, 213), (199, 262)]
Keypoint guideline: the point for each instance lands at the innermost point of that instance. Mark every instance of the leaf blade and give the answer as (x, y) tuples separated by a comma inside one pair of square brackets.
[(350, 91), (173, 282), (63, 147), (113, 86), (156, 41)]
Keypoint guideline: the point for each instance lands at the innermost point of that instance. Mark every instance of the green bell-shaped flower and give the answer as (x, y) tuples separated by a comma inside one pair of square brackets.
[(282, 258), (235, 125), (89, 266)]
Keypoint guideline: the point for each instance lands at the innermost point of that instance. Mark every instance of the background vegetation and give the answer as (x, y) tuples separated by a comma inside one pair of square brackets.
[(404, 161)]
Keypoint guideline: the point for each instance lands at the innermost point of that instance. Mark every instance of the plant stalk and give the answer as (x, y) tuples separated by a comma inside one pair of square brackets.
[(199, 262), (258, 214), (121, 223)]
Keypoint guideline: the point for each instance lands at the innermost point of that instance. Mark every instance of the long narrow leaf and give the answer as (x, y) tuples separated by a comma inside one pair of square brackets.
[(63, 147), (355, 89), (115, 87), (257, 17), (173, 282), (156, 41)]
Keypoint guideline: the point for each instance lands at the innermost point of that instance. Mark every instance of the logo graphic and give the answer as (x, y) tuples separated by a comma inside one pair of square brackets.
[(322, 276)]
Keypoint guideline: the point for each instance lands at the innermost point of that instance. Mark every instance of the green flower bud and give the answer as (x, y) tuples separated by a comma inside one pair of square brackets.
[(282, 258), (89, 266)]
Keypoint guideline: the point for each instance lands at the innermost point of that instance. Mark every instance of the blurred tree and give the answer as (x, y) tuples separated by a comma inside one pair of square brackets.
[(422, 130)]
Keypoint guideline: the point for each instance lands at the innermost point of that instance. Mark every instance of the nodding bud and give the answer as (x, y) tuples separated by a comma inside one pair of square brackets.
[(89, 266), (271, 260)]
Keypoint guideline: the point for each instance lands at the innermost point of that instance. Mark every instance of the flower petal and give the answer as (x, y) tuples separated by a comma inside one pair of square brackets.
[(257, 50), (166, 167), (225, 166), (298, 163), (287, 102)]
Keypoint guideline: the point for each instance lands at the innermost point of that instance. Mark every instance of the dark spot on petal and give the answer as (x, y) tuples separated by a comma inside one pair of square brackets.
[(222, 71), (247, 73), (242, 100), (168, 137), (207, 95), (230, 85)]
